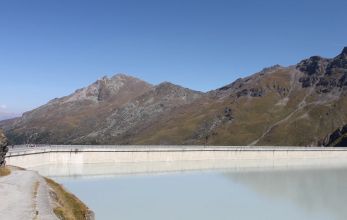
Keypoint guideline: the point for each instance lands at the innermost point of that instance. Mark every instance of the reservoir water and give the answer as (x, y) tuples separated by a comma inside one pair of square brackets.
[(181, 191)]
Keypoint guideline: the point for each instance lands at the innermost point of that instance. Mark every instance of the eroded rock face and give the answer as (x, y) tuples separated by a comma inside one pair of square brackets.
[(3, 148), (338, 138), (324, 74)]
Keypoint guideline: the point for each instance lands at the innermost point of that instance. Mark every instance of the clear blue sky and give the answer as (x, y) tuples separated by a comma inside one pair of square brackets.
[(50, 48)]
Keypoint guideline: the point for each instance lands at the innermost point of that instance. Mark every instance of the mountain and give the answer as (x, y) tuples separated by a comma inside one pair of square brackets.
[(297, 105), (136, 116), (64, 119)]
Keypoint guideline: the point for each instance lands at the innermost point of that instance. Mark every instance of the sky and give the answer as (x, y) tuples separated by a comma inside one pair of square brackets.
[(50, 48)]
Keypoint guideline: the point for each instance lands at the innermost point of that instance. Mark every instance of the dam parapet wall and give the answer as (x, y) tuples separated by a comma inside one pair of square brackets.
[(27, 157)]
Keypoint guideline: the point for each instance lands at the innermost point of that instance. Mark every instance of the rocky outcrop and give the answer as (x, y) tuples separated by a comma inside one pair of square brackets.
[(313, 68), (324, 74), (3, 148), (338, 138)]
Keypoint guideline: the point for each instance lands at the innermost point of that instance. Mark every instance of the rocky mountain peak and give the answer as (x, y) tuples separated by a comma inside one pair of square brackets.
[(118, 79), (123, 77), (325, 74), (339, 62), (106, 88), (314, 65)]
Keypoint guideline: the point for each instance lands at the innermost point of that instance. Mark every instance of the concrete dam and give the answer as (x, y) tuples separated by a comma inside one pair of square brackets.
[(78, 159)]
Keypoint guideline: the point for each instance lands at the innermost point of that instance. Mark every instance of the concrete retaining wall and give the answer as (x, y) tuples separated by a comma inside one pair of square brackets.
[(78, 154)]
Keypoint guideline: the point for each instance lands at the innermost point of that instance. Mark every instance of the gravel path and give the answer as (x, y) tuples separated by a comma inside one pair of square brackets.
[(25, 195)]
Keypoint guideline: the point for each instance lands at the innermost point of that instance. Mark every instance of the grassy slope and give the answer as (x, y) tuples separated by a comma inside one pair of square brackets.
[(253, 116), (300, 116), (69, 207), (4, 171)]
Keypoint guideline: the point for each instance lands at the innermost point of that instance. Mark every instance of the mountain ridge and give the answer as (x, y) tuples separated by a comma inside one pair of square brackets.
[(296, 105)]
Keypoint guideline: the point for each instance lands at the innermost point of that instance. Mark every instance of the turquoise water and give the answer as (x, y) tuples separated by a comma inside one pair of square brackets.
[(317, 194)]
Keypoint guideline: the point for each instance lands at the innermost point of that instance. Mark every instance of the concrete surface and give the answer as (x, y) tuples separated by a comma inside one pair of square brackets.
[(25, 195)]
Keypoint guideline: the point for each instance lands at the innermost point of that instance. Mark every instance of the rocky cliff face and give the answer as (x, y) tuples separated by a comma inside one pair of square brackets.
[(338, 138), (3, 148), (325, 74), (296, 105)]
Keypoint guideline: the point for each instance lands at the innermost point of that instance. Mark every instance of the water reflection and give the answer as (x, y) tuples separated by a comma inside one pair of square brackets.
[(311, 189), (204, 190), (99, 170)]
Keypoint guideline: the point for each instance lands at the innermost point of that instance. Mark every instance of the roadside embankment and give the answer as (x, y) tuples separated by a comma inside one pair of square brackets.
[(27, 195)]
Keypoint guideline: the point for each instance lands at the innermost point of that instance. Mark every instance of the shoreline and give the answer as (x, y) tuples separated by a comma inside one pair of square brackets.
[(28, 195), (46, 199)]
